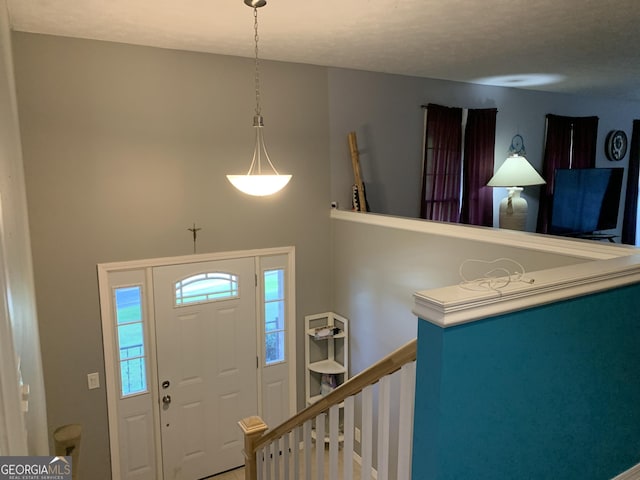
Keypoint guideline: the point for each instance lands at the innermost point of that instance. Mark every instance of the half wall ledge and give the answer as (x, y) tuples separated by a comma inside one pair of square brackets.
[(455, 305)]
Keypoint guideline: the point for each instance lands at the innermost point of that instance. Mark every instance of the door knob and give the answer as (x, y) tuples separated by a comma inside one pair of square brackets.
[(166, 399)]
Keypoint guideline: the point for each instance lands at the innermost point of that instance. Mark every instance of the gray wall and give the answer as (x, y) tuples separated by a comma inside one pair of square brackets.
[(377, 269), (385, 112), (124, 148), (16, 267)]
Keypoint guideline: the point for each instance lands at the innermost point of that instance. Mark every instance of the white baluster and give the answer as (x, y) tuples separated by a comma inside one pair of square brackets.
[(307, 449), (320, 419), (384, 407), (366, 443), (334, 442), (276, 459), (268, 461), (285, 455), (260, 462), (347, 448), (405, 421), (296, 453)]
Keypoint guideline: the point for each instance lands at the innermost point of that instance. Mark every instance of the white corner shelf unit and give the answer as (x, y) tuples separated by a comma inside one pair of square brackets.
[(326, 355)]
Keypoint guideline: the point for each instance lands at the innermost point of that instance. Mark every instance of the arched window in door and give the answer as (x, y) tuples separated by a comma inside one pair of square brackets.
[(206, 287)]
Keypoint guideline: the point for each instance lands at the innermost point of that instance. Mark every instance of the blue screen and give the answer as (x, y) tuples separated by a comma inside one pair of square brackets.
[(585, 200)]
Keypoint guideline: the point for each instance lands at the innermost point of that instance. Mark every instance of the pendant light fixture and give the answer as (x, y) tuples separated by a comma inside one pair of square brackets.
[(256, 182)]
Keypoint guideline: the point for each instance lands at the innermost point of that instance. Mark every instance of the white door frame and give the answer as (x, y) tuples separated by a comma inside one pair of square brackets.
[(110, 342)]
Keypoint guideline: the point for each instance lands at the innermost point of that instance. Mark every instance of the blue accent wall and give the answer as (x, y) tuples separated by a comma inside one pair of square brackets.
[(551, 392)]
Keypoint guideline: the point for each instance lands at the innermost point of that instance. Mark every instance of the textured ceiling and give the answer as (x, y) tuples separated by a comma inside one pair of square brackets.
[(591, 46)]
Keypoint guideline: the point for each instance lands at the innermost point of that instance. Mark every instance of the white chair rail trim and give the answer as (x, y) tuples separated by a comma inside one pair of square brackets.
[(586, 249), (455, 305)]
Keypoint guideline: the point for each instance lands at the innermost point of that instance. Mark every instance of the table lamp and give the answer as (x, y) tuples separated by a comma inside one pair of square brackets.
[(516, 172)]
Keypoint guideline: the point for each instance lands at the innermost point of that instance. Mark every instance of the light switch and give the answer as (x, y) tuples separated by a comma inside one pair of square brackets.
[(93, 380)]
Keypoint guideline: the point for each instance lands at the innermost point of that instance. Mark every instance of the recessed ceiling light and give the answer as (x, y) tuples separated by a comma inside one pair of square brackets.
[(521, 80)]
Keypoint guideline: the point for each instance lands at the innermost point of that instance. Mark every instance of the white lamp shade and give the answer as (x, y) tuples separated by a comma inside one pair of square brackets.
[(516, 171), (259, 185)]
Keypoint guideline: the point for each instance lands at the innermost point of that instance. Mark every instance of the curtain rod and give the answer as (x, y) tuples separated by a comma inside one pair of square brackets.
[(465, 108)]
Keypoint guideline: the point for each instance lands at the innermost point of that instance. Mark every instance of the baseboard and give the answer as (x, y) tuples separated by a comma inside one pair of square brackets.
[(358, 459), (632, 474)]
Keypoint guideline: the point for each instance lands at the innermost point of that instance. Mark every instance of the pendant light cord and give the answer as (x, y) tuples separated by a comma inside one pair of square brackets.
[(257, 62)]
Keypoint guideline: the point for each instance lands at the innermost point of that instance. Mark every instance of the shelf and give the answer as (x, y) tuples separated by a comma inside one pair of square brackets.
[(326, 357), (312, 333), (327, 366)]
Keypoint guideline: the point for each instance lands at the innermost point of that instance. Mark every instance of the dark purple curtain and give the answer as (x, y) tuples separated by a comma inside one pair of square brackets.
[(570, 143), (442, 164), (479, 153), (585, 133), (629, 223)]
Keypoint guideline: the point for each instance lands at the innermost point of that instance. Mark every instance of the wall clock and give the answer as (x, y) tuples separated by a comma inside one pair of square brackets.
[(517, 145), (616, 145)]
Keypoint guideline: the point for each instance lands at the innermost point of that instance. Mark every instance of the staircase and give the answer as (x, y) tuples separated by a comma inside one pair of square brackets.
[(285, 452)]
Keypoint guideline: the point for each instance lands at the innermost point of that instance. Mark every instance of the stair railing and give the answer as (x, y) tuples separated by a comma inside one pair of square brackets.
[(276, 454)]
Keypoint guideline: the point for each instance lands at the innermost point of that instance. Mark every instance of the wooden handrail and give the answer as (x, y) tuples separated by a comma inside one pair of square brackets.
[(388, 365)]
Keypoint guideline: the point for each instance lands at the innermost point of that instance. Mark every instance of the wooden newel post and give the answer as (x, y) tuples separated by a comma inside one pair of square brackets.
[(253, 428)]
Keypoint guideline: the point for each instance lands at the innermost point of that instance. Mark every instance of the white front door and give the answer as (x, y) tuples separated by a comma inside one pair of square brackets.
[(206, 354)]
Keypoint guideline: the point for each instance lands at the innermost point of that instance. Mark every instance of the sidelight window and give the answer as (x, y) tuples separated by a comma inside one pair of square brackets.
[(274, 316), (131, 344)]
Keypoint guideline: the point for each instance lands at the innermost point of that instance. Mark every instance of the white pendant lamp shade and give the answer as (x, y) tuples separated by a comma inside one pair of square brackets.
[(255, 182), (259, 185)]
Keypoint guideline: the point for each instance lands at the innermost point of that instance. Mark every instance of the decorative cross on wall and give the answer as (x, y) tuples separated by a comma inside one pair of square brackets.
[(194, 231)]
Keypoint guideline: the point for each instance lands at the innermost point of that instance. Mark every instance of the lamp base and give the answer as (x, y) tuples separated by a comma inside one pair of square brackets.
[(513, 210)]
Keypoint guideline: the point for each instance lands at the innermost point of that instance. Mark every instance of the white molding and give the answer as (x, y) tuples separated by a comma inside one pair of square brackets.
[(109, 341), (585, 249), (632, 474), (293, 332), (153, 367), (358, 459), (613, 265), (13, 435), (201, 257), (111, 381), (455, 305)]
